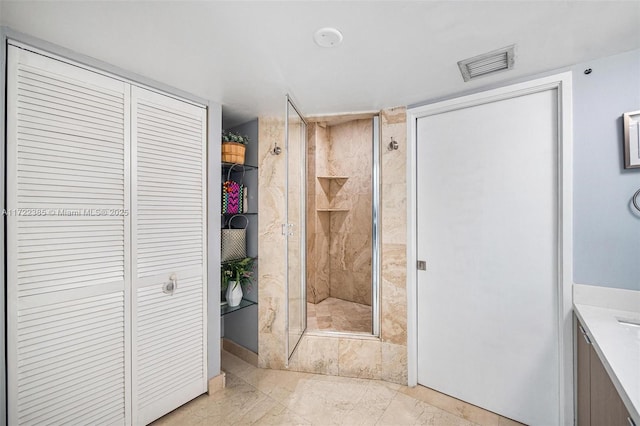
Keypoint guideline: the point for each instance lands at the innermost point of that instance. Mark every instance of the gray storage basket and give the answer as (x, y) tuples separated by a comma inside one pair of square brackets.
[(234, 241)]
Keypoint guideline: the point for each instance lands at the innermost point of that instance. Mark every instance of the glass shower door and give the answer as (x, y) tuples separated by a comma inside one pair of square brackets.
[(295, 148)]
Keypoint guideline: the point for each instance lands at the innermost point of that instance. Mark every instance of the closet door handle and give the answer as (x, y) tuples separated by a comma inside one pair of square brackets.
[(171, 286)]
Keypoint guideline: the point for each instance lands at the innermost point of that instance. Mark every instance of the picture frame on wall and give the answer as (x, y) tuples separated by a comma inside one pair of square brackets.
[(631, 122)]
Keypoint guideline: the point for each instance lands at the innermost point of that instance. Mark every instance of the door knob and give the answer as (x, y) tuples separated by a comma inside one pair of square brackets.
[(171, 286)]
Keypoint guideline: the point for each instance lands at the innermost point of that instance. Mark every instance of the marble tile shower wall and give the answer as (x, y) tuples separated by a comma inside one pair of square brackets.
[(318, 225), (271, 245), (339, 264), (350, 237), (384, 358)]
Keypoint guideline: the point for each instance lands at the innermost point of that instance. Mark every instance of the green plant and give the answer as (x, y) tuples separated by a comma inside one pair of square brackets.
[(234, 137), (240, 271)]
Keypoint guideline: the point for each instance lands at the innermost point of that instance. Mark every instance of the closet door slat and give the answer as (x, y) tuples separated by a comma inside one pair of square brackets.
[(169, 229), (68, 267)]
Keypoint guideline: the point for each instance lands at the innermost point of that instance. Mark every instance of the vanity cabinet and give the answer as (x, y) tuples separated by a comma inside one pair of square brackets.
[(598, 401)]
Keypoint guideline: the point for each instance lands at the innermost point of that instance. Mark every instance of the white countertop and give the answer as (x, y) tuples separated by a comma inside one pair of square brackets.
[(617, 345)]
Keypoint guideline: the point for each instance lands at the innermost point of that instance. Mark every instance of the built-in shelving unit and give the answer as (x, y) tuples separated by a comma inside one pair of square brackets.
[(229, 261), (239, 324), (236, 172), (240, 167), (236, 169), (226, 309)]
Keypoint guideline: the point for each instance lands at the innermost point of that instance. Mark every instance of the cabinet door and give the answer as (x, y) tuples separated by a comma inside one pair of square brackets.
[(583, 378), (169, 252), (68, 350), (606, 406)]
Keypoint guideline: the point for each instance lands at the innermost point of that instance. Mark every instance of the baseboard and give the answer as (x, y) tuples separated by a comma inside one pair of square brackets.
[(216, 383), (240, 351)]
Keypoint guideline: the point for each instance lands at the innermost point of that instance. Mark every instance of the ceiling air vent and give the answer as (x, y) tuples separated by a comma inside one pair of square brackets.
[(487, 63)]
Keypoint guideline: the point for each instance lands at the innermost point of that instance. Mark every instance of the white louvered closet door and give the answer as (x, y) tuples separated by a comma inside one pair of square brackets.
[(68, 349), (169, 249)]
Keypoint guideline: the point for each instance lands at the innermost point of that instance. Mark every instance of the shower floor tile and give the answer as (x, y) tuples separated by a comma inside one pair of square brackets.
[(339, 315)]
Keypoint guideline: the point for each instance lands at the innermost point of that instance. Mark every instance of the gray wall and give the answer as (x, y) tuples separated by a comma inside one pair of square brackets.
[(606, 234), (606, 226), (242, 326)]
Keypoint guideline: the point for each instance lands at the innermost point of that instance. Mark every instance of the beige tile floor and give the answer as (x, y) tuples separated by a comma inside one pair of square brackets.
[(334, 314), (255, 396)]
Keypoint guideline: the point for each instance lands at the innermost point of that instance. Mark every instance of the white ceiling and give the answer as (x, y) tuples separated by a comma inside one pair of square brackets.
[(248, 55)]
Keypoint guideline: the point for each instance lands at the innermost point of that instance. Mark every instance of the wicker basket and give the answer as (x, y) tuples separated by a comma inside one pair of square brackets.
[(233, 152)]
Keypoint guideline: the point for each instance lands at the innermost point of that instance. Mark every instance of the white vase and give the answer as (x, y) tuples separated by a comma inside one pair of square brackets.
[(234, 293)]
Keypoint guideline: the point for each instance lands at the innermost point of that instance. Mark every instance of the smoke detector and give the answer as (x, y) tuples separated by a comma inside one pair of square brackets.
[(328, 37), (488, 63)]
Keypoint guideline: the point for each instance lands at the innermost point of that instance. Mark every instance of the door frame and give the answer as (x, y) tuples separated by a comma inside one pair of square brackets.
[(562, 83), (302, 232)]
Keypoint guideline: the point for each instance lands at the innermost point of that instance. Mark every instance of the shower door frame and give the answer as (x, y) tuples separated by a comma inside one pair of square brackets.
[(302, 230), (375, 244), (375, 229)]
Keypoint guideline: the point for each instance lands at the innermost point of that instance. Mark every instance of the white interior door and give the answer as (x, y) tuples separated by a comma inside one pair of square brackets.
[(68, 340), (169, 253), (487, 217)]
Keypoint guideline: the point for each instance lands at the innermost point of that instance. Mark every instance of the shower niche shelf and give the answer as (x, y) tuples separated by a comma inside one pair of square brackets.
[(331, 185), (338, 179), (332, 210), (327, 181)]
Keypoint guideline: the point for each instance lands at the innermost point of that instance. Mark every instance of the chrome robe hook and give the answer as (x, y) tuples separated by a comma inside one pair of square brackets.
[(276, 149)]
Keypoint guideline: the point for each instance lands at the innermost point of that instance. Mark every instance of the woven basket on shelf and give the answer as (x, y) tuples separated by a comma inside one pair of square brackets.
[(233, 152)]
